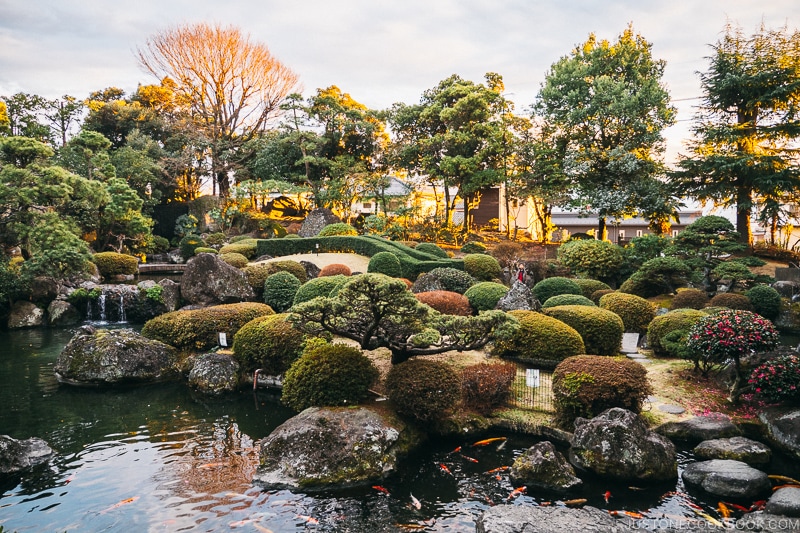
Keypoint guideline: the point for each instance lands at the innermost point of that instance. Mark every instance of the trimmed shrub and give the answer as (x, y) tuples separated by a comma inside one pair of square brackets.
[(689, 299), (635, 312), (328, 375), (486, 386), (567, 299), (600, 329), (446, 302), (661, 275), (245, 247), (113, 264), (215, 239), (778, 379), (188, 244), (423, 389), (197, 329), (453, 279), (473, 247), (318, 287), (256, 275), (280, 289), (591, 258), (731, 301), (596, 295), (589, 286), (337, 228), (667, 334), (484, 296), (292, 267), (586, 385), (431, 249), (554, 286), (385, 263), (335, 269), (540, 339), (765, 300), (269, 343), (482, 267), (234, 259), (205, 250)]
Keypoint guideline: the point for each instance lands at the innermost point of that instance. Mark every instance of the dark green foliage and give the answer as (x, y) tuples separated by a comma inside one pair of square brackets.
[(644, 248), (432, 249), (385, 263), (567, 299), (198, 329), (317, 287), (554, 286), (734, 272), (540, 339), (328, 375), (731, 301), (689, 299), (587, 385), (12, 285), (423, 390), (766, 301), (446, 302), (246, 247), (338, 228), (453, 279), (269, 343), (667, 334), (257, 274), (215, 239), (234, 259), (486, 386), (635, 312), (591, 258), (293, 267), (484, 296), (112, 264), (473, 247), (482, 267), (661, 275), (749, 260), (600, 329), (188, 244), (280, 290), (589, 286)]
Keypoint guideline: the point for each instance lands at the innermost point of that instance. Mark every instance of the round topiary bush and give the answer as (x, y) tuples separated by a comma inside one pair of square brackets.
[(115, 264), (473, 247), (234, 259), (280, 289), (554, 286), (765, 300), (482, 267), (431, 249), (589, 286), (337, 228), (318, 287), (385, 263), (423, 390), (256, 275), (567, 299), (246, 247), (484, 296), (586, 385), (635, 312), (204, 250), (269, 343), (335, 269), (731, 301), (287, 265), (591, 258), (328, 374), (596, 295), (188, 244), (540, 339), (689, 299), (600, 329), (215, 239), (667, 334), (446, 302), (487, 386), (452, 279)]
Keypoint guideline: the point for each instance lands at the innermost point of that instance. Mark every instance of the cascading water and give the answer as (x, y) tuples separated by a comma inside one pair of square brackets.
[(121, 308), (101, 308)]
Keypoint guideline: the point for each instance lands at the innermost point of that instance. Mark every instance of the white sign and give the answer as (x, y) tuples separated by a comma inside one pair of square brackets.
[(223, 339), (532, 377)]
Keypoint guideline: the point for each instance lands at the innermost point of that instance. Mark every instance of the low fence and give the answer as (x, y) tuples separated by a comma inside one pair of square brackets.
[(532, 389)]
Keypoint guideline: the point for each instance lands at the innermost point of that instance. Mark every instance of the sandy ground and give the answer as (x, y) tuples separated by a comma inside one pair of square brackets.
[(357, 263)]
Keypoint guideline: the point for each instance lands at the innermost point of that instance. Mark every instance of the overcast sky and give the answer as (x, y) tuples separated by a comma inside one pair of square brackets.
[(379, 51)]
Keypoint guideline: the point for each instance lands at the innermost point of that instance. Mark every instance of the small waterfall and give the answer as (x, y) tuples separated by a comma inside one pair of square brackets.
[(122, 307), (101, 304)]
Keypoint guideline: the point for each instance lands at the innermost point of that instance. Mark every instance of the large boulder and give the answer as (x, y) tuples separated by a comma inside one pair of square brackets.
[(787, 289), (102, 356), (784, 501), (543, 467), (554, 519), (736, 448), (323, 448), (25, 314), (44, 290), (316, 220), (519, 297), (617, 444), (209, 280), (154, 299), (427, 282), (16, 455), (700, 428), (727, 479), (214, 373), (62, 313), (312, 270), (783, 428)]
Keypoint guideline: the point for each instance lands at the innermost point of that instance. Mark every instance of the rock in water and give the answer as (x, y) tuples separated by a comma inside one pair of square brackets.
[(727, 479), (543, 467), (214, 373), (16, 455), (555, 519), (700, 428), (783, 428), (736, 448)]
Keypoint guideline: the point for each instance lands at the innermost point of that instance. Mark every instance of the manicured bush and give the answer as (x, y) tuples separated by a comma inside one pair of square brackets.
[(280, 289), (446, 302), (431, 249), (318, 287), (591, 258), (596, 295), (338, 228), (765, 300), (586, 385), (215, 239), (385, 263), (600, 329), (482, 267), (198, 329), (635, 312), (234, 259), (257, 274), (778, 380), (245, 247), (731, 301), (473, 247), (554, 286), (484, 296), (423, 389), (486, 386), (453, 279), (269, 343), (661, 275), (567, 299), (540, 339), (589, 286), (113, 264), (205, 250), (328, 375), (292, 267), (335, 269), (689, 299), (667, 334), (188, 244)]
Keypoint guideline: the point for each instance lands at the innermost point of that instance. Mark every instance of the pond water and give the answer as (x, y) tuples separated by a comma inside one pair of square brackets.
[(162, 458)]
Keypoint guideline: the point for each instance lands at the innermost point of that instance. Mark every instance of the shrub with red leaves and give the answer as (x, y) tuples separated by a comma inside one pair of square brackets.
[(486, 386), (446, 302), (335, 269)]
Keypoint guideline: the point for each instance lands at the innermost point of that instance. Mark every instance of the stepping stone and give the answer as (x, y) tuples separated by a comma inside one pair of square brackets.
[(630, 343), (672, 409)]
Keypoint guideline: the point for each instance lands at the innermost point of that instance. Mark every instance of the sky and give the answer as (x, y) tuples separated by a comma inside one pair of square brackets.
[(379, 51)]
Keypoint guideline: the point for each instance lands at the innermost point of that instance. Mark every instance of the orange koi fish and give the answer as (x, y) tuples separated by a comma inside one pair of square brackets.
[(470, 459), (240, 523), (516, 492), (607, 496), (126, 501), (629, 514), (458, 449), (498, 469), (415, 502), (737, 507), (212, 465), (783, 478), (484, 442), (443, 468), (785, 486), (307, 519), (724, 510), (381, 489), (575, 503)]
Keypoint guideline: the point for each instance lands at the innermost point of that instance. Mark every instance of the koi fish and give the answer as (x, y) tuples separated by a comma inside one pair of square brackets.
[(261, 528), (488, 499), (607, 496), (737, 507), (126, 501), (458, 449), (212, 465), (443, 468), (415, 502), (783, 478), (630, 514), (785, 486), (545, 504), (635, 488), (758, 505), (484, 442), (710, 519), (69, 479), (516, 492), (381, 489), (502, 445), (411, 527), (307, 519), (724, 510), (470, 459), (498, 469), (240, 523), (575, 503)]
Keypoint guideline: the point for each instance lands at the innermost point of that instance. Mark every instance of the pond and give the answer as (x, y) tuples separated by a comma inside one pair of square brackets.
[(162, 458)]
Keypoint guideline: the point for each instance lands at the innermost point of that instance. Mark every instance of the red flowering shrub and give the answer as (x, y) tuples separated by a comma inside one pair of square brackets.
[(778, 379), (446, 302), (334, 269), (486, 386)]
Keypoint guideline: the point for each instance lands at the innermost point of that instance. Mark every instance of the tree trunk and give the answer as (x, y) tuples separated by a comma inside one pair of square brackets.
[(743, 203), (602, 229)]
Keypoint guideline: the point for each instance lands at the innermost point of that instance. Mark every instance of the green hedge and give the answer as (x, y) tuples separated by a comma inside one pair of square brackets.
[(540, 339), (600, 329), (113, 263), (567, 299), (666, 334)]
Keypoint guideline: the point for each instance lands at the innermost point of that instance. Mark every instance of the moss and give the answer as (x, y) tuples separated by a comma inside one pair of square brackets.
[(113, 264)]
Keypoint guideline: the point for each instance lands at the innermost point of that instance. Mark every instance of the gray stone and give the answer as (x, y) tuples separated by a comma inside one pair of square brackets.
[(25, 314), (323, 448), (17, 455), (519, 297), (785, 501), (736, 448), (672, 409), (62, 313), (43, 290), (618, 444), (214, 373), (208, 280), (727, 479), (427, 282), (543, 467), (783, 428), (312, 270), (700, 428), (102, 356), (630, 343), (787, 289), (553, 519), (147, 303), (316, 220)]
